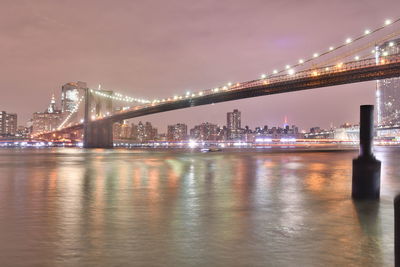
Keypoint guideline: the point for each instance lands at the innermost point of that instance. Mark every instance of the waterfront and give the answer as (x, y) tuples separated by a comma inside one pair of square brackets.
[(76, 207)]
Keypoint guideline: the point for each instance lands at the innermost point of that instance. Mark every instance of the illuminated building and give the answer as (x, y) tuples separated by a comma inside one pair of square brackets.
[(70, 94), (205, 132), (388, 90), (177, 132), (48, 120), (143, 132), (122, 130), (234, 124), (8, 123)]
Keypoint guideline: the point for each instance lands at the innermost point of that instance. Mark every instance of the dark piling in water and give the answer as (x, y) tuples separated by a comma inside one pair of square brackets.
[(366, 168)]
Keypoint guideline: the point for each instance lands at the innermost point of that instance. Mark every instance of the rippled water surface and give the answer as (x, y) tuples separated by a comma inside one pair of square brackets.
[(74, 207)]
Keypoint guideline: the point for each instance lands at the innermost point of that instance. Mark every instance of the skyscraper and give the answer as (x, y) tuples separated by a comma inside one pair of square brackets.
[(70, 94), (388, 90), (234, 124)]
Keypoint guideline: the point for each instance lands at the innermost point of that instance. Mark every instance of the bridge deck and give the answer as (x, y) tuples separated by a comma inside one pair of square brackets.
[(351, 72)]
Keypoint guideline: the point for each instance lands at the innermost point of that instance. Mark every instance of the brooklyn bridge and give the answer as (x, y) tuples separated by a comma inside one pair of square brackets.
[(356, 60)]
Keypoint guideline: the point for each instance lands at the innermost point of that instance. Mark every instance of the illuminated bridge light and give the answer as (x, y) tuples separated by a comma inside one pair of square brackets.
[(301, 61), (388, 22), (315, 55), (274, 71), (229, 84), (263, 76), (287, 67), (331, 48), (314, 73), (291, 71), (366, 32), (348, 40)]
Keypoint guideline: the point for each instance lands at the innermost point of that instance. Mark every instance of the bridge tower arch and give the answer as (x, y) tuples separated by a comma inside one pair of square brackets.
[(96, 134)]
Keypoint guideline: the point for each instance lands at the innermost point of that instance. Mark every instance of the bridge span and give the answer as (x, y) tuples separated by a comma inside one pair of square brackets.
[(98, 132)]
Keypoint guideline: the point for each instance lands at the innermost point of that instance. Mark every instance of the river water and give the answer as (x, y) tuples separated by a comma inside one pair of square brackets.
[(76, 207)]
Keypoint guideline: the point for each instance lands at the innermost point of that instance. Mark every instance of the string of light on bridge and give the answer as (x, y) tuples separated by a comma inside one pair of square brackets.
[(289, 69), (70, 114), (349, 41), (119, 97)]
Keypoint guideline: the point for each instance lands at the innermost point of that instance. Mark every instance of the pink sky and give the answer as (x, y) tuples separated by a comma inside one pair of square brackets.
[(160, 48)]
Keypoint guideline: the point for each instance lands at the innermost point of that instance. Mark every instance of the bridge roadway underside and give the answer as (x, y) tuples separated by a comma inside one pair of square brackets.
[(98, 137)]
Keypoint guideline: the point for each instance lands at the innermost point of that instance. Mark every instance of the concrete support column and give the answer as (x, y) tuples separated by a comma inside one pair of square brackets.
[(397, 231), (366, 168), (99, 135)]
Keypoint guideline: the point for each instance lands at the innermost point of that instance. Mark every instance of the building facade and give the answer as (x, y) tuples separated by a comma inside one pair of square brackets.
[(233, 124), (8, 124), (48, 120), (205, 132), (144, 132), (177, 132), (388, 90), (71, 95)]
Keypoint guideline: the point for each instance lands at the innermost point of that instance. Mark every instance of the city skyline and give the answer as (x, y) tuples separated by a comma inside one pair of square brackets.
[(127, 69), (56, 106)]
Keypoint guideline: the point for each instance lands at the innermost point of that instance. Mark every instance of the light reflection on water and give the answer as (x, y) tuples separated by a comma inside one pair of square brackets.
[(118, 207)]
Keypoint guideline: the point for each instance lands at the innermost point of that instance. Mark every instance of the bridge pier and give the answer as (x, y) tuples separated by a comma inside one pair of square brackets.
[(98, 135), (366, 182)]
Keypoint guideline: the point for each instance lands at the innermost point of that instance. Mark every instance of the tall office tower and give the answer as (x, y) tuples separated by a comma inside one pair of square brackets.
[(177, 132), (234, 124), (388, 90), (8, 123), (70, 95)]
